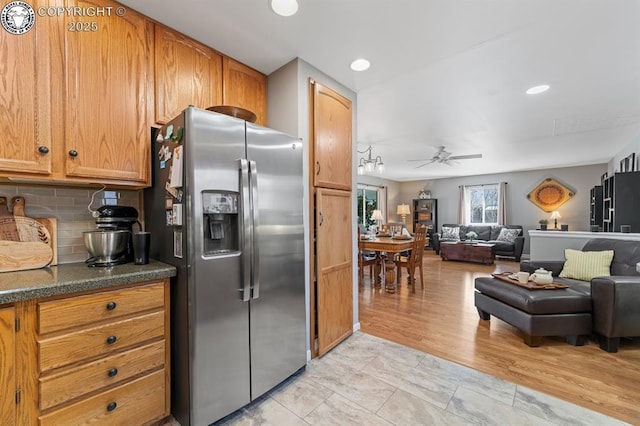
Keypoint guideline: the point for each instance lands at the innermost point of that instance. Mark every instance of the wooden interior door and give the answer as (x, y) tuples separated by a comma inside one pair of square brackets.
[(334, 263), (332, 128), (7, 367)]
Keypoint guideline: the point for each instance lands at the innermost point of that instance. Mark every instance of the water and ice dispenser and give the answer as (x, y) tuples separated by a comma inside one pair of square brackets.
[(220, 222)]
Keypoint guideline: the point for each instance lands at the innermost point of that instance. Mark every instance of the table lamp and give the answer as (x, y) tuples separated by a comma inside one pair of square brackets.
[(403, 210), (377, 216), (555, 216)]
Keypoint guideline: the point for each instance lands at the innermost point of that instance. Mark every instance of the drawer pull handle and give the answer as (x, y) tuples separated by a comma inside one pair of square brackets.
[(111, 406), (111, 340), (112, 372), (111, 306)]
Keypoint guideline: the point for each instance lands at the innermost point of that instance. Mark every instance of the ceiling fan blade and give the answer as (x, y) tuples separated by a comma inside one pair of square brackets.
[(422, 165), (465, 157), (424, 159)]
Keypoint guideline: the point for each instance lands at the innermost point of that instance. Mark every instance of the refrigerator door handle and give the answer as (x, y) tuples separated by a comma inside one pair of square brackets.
[(253, 182), (247, 230)]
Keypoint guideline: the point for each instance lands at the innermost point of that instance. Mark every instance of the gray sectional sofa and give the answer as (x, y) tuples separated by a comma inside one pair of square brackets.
[(607, 306), (486, 233)]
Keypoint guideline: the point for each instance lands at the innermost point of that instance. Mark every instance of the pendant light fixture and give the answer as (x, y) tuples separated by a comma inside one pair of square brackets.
[(368, 164), (284, 7)]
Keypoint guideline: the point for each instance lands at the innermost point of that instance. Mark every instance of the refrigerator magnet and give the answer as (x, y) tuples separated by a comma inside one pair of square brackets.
[(175, 180), (168, 203), (177, 136), (170, 190), (160, 138), (164, 153), (169, 132), (169, 217), (177, 244), (177, 214), (163, 164)]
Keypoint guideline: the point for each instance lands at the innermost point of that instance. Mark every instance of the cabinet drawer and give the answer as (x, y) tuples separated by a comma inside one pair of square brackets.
[(81, 310), (134, 403), (62, 387), (90, 342)]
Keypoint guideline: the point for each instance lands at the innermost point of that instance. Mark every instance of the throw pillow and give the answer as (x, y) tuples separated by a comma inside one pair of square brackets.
[(451, 233), (508, 235), (585, 265)]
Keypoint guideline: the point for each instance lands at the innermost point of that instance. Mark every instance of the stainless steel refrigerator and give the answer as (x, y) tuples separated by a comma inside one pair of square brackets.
[(226, 209)]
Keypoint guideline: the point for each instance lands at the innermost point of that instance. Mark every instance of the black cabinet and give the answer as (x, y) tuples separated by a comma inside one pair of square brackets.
[(425, 212), (621, 201), (595, 206)]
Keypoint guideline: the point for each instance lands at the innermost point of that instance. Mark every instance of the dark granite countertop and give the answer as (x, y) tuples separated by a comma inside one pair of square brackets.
[(75, 277)]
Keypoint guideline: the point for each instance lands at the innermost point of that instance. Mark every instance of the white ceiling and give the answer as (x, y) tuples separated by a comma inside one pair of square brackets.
[(452, 72)]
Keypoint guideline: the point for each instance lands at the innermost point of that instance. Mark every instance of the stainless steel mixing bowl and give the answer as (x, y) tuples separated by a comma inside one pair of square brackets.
[(106, 245)]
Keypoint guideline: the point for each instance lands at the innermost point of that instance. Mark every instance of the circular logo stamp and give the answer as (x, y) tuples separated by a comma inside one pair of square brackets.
[(17, 17)]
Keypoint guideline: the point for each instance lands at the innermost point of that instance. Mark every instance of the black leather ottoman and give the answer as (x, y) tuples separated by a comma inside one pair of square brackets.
[(537, 313)]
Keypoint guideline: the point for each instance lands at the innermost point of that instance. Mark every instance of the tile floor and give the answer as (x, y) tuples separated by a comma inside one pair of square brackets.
[(371, 381)]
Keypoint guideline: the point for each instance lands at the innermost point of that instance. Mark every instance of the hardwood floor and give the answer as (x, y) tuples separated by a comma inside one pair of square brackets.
[(441, 320)]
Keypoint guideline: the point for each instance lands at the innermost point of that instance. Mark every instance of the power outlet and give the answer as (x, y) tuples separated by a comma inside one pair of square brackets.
[(638, 267)]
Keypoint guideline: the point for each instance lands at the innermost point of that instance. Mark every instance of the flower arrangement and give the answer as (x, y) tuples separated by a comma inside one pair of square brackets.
[(543, 221), (471, 235)]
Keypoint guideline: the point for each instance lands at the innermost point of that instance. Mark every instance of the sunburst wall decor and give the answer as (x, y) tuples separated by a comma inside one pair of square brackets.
[(550, 194)]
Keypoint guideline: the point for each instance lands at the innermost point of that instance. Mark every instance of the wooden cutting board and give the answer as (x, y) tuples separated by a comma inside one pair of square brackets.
[(18, 228), (21, 255)]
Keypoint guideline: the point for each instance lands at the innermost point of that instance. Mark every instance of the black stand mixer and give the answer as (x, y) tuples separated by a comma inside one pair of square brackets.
[(116, 218)]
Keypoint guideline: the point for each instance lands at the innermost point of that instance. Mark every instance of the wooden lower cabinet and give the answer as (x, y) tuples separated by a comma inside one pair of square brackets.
[(7, 366), (100, 357), (133, 403), (334, 267)]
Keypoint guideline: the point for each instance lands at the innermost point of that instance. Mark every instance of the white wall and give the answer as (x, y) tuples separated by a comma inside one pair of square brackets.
[(288, 111), (520, 211), (614, 163)]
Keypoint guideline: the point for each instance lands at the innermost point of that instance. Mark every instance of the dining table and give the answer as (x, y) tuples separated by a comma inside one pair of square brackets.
[(383, 246)]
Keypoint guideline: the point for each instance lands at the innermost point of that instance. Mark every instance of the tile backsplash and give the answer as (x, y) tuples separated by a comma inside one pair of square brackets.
[(70, 207)]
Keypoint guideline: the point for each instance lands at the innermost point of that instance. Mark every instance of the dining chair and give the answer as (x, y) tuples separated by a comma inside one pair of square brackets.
[(413, 259), (365, 258)]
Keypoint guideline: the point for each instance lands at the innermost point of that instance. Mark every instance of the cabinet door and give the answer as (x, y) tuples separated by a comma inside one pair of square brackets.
[(187, 73), (334, 267), (244, 87), (7, 367), (25, 100), (331, 138), (108, 80)]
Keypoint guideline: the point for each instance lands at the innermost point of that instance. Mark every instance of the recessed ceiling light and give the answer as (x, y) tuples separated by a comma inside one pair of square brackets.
[(360, 65), (284, 7), (537, 89)]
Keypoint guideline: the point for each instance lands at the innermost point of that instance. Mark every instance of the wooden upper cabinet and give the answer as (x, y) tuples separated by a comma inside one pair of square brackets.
[(187, 73), (25, 100), (107, 91), (7, 366), (332, 118), (244, 87)]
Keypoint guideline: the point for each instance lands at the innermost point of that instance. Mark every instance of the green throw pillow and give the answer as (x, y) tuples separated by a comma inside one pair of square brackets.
[(585, 265)]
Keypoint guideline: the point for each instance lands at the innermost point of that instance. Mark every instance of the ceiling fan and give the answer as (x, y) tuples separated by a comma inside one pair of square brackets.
[(445, 157)]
